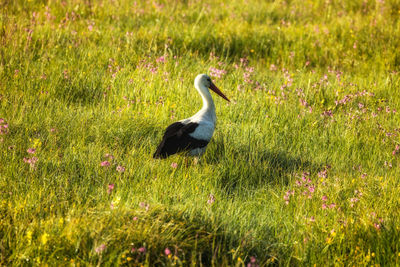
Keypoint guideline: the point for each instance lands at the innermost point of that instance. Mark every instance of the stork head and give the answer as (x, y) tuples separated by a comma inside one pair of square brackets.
[(203, 81)]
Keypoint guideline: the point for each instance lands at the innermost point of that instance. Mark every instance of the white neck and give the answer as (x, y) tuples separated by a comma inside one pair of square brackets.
[(208, 109)]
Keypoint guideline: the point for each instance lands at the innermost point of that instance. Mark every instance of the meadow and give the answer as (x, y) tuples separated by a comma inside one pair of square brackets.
[(303, 168)]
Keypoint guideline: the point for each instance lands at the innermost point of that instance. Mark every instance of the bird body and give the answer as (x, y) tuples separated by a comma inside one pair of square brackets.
[(192, 134)]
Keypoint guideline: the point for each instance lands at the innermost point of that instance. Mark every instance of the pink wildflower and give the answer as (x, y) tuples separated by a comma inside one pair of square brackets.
[(31, 161), (174, 165), (31, 151), (120, 168), (110, 188), (272, 67), (142, 250), (105, 163), (253, 262), (161, 59), (109, 156), (211, 199), (100, 248), (214, 72), (311, 189), (144, 205), (167, 251)]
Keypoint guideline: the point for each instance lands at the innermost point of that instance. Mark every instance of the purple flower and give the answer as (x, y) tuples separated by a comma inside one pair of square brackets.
[(142, 250), (327, 113), (120, 168), (323, 173), (174, 165), (324, 198)]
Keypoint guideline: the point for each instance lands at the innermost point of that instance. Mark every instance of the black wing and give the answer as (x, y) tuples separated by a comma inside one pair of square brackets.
[(176, 139)]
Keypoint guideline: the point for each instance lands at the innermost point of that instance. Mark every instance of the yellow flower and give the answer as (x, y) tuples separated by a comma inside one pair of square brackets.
[(44, 238), (129, 259), (29, 236), (239, 259), (368, 258), (37, 143), (373, 254)]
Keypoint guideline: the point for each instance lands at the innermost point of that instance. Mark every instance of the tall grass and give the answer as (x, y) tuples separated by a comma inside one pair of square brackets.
[(303, 167)]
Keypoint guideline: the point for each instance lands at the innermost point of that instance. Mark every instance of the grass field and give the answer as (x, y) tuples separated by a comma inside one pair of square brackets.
[(303, 168)]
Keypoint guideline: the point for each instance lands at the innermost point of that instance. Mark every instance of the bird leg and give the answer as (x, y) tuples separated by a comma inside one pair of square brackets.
[(196, 160), (186, 162)]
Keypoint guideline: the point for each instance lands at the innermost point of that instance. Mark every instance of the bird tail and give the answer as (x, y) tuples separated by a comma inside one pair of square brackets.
[(159, 154)]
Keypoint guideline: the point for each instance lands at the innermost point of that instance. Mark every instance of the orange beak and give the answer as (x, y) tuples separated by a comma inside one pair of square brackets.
[(218, 92)]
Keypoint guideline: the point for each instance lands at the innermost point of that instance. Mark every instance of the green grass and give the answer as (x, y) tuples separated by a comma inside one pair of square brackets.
[(77, 82)]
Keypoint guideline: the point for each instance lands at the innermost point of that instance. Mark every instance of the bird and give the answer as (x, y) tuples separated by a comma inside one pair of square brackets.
[(193, 134)]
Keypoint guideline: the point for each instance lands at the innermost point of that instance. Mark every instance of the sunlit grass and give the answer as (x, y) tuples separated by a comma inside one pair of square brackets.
[(303, 167)]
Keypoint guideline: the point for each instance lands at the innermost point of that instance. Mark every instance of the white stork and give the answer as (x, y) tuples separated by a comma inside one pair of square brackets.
[(193, 134)]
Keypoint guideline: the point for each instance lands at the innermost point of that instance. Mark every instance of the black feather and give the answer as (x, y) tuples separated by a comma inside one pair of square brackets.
[(177, 139)]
